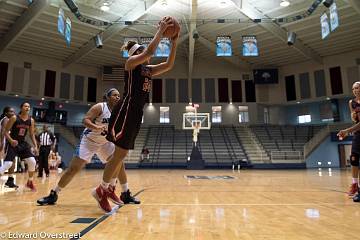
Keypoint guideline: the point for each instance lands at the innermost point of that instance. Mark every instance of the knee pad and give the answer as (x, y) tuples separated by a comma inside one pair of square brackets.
[(6, 166), (354, 159), (31, 163)]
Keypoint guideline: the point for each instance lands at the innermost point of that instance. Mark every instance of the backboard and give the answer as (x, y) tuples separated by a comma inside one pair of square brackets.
[(196, 120)]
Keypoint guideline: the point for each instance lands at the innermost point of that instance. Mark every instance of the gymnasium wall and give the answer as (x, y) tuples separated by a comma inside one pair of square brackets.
[(326, 152), (70, 83), (350, 72), (288, 114), (75, 112), (230, 114), (206, 86)]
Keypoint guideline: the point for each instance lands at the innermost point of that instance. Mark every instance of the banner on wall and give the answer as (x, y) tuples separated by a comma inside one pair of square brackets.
[(68, 32), (250, 48), (223, 46), (61, 22), (163, 49), (145, 41), (325, 29), (334, 18)]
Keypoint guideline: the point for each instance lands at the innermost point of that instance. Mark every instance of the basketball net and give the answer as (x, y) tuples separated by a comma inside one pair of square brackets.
[(196, 126)]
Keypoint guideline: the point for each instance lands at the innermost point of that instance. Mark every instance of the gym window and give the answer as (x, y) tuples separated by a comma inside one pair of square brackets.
[(216, 114), (243, 114), (164, 114), (304, 118)]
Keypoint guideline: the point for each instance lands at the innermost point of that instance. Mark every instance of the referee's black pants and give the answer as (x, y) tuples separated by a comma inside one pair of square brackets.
[(43, 160)]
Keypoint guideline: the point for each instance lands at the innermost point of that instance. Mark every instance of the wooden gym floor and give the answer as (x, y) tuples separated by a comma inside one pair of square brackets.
[(256, 204)]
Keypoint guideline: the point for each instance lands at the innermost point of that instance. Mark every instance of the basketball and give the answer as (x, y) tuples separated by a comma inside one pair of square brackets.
[(171, 31)]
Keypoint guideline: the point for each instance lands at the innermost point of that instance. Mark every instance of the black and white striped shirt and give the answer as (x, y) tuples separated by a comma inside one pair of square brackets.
[(46, 139)]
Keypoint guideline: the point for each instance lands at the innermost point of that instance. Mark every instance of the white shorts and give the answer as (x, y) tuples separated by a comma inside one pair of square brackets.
[(87, 149)]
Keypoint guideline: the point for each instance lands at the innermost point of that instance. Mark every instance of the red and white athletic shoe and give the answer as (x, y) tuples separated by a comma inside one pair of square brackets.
[(112, 196), (31, 185), (100, 194), (353, 189)]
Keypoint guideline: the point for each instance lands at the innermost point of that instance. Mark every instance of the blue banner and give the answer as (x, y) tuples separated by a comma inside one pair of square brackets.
[(223, 46), (61, 22), (68, 32), (334, 18), (163, 49), (325, 29), (250, 48)]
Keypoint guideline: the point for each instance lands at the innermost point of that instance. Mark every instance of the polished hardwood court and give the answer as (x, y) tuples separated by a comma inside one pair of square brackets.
[(255, 204)]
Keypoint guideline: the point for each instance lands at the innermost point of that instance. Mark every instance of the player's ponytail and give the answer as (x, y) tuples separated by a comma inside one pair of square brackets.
[(127, 46)]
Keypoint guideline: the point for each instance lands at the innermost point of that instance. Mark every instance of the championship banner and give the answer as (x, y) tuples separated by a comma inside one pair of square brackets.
[(163, 49), (145, 41), (334, 18), (68, 32), (250, 48), (325, 29), (223, 46), (61, 22)]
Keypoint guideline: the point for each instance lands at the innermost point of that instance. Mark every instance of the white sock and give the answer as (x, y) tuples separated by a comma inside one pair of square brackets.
[(105, 185), (113, 182), (124, 187), (354, 180), (57, 189), (30, 178)]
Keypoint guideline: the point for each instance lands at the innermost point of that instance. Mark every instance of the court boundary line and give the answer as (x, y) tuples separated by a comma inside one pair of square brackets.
[(101, 219)]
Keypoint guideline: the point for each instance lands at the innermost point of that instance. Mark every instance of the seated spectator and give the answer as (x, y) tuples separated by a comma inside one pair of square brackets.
[(145, 153), (59, 164), (55, 162), (52, 160)]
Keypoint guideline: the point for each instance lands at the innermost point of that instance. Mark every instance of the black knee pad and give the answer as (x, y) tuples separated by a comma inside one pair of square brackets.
[(354, 159)]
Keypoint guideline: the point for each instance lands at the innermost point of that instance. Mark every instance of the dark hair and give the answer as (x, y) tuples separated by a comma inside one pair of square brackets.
[(5, 111), (127, 46), (109, 92), (21, 105)]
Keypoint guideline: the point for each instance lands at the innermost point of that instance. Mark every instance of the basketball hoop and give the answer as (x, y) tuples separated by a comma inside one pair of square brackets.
[(196, 131), (196, 121)]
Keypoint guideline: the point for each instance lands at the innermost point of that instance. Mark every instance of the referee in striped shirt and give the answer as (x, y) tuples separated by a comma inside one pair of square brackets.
[(47, 142)]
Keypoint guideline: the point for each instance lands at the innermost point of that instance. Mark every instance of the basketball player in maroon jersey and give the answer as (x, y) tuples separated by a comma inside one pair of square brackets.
[(125, 120), (15, 132)]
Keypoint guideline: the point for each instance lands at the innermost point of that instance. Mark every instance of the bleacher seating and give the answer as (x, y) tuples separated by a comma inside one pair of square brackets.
[(169, 146), (220, 146), (284, 143)]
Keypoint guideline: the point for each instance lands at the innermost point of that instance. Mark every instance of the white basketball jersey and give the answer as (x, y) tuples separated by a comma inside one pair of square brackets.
[(1, 126), (101, 120)]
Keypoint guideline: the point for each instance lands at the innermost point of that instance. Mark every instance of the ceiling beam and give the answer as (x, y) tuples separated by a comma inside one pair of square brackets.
[(192, 28), (23, 22), (252, 13), (138, 12)]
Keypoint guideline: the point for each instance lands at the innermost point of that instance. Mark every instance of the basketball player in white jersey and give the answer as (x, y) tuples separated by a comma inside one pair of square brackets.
[(92, 142), (8, 112)]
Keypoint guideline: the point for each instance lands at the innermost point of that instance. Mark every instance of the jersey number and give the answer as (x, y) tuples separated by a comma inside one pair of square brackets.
[(147, 85), (22, 132)]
